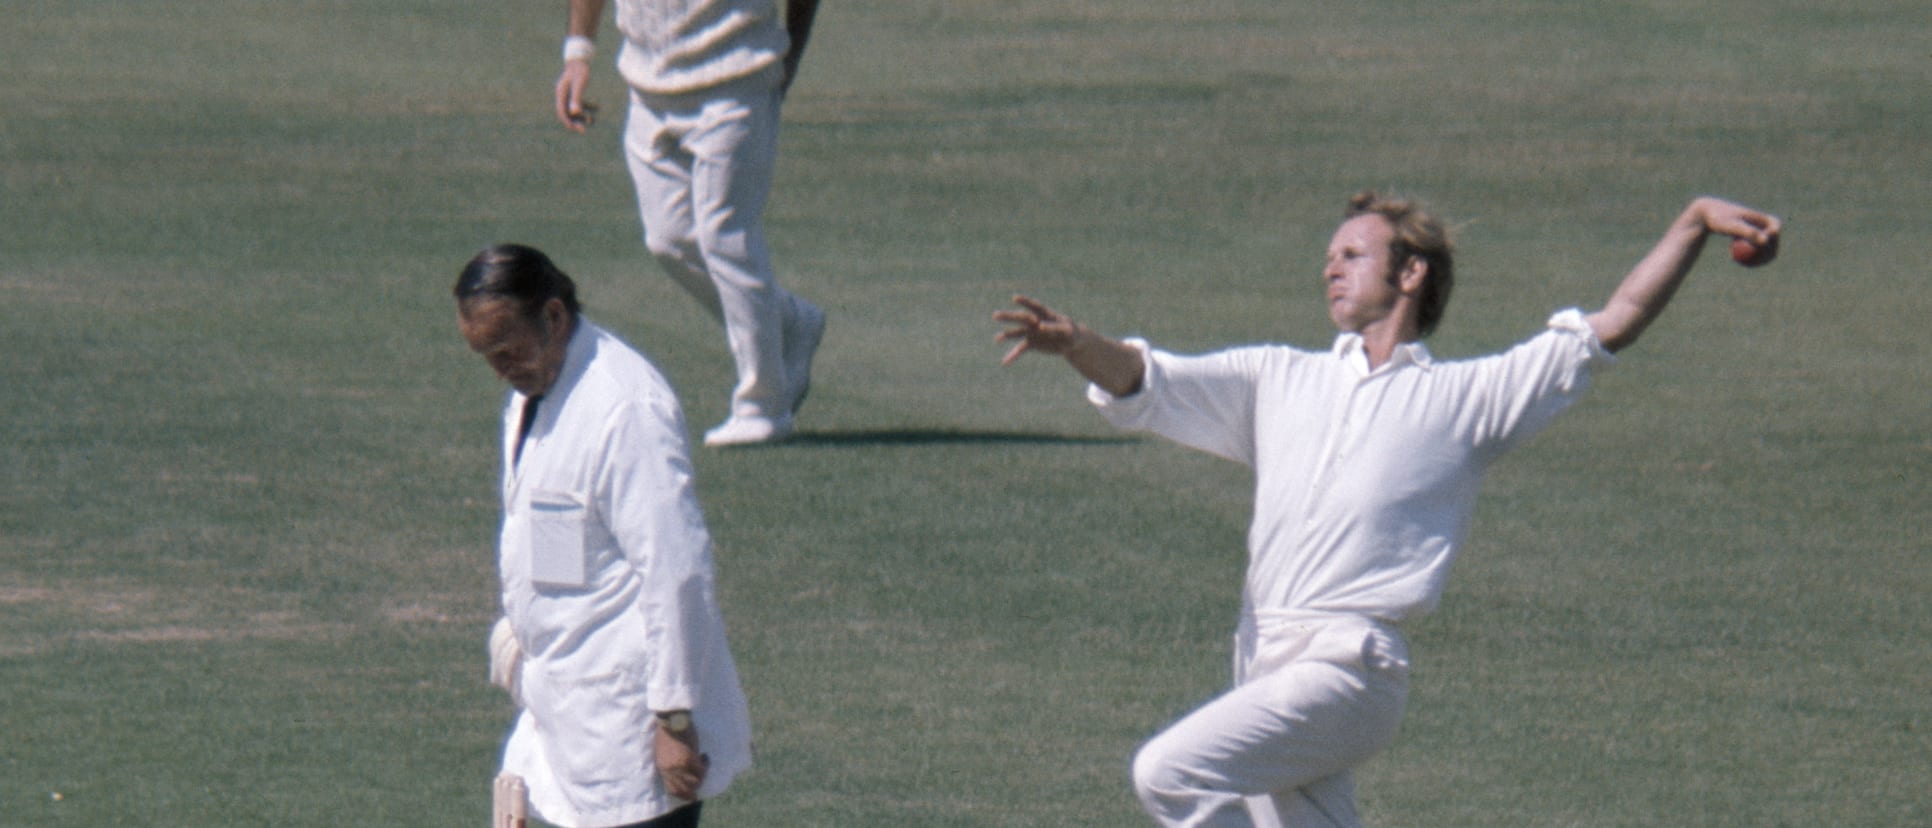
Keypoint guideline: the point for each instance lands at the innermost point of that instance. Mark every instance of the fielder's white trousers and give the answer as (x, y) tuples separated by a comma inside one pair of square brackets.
[(1313, 699), (702, 163)]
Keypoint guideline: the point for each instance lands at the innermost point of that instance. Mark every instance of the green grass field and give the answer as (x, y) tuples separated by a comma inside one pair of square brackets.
[(247, 513)]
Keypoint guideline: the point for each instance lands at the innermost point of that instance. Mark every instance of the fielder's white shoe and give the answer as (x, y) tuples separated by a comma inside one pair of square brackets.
[(749, 430), (801, 344)]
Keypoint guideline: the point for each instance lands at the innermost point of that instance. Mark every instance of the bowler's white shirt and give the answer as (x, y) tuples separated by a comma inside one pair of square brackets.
[(607, 581), (1365, 481)]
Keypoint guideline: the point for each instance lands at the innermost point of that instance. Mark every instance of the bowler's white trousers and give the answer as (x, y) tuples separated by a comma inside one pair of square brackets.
[(702, 163), (1314, 697)]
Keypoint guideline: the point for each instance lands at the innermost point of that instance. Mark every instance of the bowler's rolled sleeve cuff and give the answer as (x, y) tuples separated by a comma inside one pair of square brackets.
[(1572, 320)]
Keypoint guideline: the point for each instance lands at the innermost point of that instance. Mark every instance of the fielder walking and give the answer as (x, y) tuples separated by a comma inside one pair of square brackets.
[(611, 641), (706, 79), (1367, 458)]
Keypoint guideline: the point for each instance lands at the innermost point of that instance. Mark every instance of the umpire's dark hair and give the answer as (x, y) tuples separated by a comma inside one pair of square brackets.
[(519, 273)]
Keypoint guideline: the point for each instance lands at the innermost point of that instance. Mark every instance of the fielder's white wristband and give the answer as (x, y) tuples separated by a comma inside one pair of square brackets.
[(578, 47)]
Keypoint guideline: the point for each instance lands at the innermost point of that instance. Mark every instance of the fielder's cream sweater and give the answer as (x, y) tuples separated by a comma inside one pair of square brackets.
[(678, 46)]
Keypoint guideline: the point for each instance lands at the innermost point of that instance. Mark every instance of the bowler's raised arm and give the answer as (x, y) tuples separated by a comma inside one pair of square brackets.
[(1648, 288)]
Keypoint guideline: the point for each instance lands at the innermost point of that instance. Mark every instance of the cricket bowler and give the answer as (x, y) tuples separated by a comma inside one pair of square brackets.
[(1367, 458)]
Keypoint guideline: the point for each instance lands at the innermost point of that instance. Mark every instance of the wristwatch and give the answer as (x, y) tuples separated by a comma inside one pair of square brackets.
[(676, 722)]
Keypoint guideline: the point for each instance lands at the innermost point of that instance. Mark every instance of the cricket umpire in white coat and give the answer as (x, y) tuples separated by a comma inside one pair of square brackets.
[(1367, 459), (611, 641)]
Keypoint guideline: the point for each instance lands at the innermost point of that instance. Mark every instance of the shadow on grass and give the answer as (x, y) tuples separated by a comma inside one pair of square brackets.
[(934, 437)]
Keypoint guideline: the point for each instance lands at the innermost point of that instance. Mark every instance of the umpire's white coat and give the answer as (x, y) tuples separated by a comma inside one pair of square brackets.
[(607, 582)]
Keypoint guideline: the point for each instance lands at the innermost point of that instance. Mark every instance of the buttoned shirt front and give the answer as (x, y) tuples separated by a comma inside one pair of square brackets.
[(1365, 480), (608, 586)]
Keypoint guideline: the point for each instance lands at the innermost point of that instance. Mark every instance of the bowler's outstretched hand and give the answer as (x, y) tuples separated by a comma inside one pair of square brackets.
[(1109, 363), (1036, 327)]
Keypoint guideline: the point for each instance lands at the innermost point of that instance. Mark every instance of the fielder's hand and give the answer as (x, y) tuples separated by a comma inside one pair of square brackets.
[(575, 113)]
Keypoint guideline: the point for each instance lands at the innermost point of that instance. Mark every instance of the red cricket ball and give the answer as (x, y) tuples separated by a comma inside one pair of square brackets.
[(1746, 253)]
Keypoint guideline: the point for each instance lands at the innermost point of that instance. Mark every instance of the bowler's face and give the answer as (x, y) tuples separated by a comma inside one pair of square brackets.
[(523, 352), (1359, 278)]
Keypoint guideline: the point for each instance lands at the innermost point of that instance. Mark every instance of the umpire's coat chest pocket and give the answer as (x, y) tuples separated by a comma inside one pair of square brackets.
[(559, 556)]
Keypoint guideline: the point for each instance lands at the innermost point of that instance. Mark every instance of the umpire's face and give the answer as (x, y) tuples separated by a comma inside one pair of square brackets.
[(527, 353)]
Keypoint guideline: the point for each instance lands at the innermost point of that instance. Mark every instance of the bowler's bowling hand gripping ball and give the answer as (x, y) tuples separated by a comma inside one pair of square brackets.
[(1751, 254)]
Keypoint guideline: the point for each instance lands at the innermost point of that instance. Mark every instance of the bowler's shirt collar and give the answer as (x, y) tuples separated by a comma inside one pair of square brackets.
[(1350, 349)]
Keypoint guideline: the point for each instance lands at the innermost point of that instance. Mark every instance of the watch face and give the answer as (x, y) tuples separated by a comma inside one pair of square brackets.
[(676, 722)]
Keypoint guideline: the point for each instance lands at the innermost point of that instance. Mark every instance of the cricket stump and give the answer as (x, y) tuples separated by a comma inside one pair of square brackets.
[(508, 805)]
